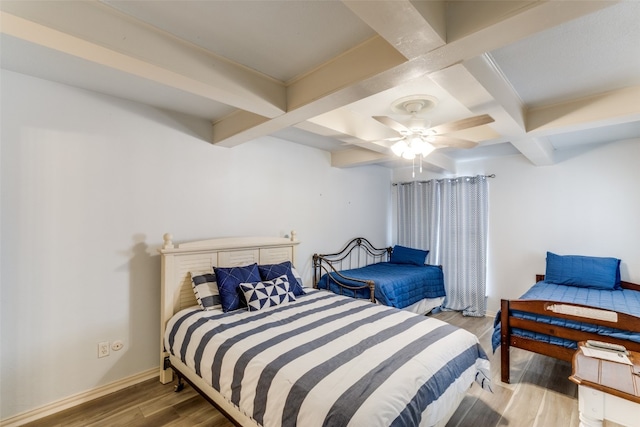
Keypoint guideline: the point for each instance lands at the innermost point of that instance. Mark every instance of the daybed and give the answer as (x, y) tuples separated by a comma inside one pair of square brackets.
[(581, 299), (393, 276), (316, 359)]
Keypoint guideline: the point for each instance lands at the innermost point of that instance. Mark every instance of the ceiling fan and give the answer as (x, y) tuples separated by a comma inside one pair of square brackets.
[(418, 137)]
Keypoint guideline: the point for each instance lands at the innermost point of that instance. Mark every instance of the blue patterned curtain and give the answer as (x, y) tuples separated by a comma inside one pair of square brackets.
[(449, 217)]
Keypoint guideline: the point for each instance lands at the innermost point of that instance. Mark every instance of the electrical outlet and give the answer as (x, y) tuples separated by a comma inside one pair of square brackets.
[(117, 345), (103, 349)]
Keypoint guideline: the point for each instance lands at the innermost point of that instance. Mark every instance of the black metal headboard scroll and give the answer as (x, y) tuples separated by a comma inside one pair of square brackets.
[(359, 252)]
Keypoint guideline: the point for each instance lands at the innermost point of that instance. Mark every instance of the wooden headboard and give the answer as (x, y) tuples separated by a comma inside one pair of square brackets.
[(178, 261)]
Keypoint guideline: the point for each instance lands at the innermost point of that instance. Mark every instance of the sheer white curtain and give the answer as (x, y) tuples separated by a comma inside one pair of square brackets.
[(449, 217)]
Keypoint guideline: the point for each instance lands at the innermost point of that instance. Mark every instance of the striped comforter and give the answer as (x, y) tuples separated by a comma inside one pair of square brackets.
[(330, 360)]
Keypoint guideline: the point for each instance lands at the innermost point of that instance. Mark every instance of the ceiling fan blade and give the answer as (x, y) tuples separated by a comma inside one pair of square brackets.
[(467, 123), (449, 141), (387, 121)]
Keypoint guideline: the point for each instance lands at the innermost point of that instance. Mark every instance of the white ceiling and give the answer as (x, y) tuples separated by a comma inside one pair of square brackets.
[(557, 77)]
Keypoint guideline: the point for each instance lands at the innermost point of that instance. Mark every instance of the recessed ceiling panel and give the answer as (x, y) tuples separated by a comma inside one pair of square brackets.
[(593, 54), (282, 39)]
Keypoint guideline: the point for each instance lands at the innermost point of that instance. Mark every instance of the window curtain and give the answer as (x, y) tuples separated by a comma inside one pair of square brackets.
[(449, 217)]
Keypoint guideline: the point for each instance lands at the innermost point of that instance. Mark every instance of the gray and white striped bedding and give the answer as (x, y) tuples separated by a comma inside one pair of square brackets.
[(330, 360)]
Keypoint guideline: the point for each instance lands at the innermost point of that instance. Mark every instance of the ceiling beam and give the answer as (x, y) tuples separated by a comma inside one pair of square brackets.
[(410, 44), (463, 59), (342, 80), (97, 33), (618, 106), (317, 94), (501, 102), (412, 28), (539, 151), (355, 157)]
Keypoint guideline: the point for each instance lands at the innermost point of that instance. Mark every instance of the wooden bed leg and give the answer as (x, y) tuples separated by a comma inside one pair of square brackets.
[(504, 341), (166, 373)]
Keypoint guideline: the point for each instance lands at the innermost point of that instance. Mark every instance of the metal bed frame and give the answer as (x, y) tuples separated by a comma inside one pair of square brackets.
[(359, 252)]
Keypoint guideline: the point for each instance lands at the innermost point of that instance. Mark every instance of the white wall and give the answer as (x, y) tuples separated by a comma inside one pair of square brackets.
[(89, 185), (587, 204)]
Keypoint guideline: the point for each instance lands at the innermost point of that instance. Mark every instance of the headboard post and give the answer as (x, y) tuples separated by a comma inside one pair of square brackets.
[(168, 244)]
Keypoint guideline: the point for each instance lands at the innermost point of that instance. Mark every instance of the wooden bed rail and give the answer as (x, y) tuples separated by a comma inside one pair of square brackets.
[(559, 310)]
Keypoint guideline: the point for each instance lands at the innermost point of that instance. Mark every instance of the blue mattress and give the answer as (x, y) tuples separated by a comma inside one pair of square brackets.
[(623, 301), (396, 285)]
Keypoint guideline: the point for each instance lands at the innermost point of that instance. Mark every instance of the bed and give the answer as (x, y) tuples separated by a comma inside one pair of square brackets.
[(321, 359), (566, 306), (393, 276)]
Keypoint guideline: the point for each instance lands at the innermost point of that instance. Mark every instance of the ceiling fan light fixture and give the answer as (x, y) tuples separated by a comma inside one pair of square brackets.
[(399, 147), (417, 136), (416, 146), (427, 149), (409, 155)]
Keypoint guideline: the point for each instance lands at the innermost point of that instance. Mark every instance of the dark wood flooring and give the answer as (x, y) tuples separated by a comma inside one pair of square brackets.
[(540, 395)]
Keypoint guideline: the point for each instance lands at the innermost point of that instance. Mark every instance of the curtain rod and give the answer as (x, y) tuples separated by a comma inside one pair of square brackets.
[(493, 175)]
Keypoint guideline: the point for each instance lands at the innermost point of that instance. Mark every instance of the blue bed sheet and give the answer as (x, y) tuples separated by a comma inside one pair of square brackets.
[(396, 285), (623, 301)]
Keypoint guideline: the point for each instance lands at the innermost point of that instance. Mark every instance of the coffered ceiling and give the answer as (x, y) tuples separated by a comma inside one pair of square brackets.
[(557, 77)]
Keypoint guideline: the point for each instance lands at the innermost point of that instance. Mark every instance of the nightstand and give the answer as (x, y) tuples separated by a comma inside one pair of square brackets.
[(607, 390)]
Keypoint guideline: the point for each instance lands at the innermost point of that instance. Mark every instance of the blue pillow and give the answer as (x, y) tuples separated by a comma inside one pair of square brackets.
[(583, 271), (404, 255), (273, 271), (229, 279)]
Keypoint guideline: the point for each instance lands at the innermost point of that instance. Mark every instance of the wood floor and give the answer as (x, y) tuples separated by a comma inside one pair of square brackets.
[(540, 395)]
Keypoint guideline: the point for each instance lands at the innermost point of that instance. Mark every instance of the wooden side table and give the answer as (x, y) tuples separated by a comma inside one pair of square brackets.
[(607, 390)]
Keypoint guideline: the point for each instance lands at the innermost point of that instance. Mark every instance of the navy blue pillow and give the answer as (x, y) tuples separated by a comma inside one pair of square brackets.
[(404, 255), (583, 271), (229, 279), (273, 271)]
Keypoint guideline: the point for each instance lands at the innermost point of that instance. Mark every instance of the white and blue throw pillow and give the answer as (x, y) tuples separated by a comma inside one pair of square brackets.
[(268, 293), (206, 291)]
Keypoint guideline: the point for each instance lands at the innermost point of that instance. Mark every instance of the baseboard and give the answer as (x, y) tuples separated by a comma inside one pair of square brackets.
[(71, 401)]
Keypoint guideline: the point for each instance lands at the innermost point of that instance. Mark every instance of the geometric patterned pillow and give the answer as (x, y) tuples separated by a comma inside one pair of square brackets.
[(272, 271), (268, 293), (206, 290)]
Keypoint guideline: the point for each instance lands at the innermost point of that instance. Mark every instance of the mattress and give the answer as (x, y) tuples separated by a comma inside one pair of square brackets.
[(326, 359), (397, 285), (623, 301)]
